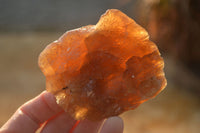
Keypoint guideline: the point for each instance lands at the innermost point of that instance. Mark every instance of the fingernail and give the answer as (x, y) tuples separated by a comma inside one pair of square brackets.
[(113, 125)]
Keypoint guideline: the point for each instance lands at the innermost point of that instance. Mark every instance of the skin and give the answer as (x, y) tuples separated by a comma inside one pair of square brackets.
[(43, 111)]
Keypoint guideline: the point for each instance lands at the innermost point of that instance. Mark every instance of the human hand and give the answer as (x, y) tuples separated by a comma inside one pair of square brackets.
[(43, 110)]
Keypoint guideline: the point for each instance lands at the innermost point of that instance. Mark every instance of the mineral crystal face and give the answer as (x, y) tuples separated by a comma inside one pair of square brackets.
[(102, 70)]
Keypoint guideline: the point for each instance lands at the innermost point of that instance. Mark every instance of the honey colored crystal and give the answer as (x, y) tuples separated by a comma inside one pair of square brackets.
[(103, 70)]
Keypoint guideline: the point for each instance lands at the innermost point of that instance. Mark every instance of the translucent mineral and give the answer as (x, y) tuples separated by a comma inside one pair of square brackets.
[(103, 70)]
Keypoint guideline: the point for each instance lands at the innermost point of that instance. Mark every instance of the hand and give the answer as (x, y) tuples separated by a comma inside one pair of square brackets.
[(43, 111)]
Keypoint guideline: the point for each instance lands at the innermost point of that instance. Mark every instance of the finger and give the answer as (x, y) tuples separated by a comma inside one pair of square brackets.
[(16, 124), (33, 113), (41, 108), (113, 125), (87, 126), (61, 124)]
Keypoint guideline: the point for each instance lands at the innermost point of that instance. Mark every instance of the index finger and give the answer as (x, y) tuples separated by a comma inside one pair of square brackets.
[(32, 114)]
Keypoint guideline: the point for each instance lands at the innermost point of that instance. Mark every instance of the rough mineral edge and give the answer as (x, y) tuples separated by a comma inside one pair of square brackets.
[(101, 71)]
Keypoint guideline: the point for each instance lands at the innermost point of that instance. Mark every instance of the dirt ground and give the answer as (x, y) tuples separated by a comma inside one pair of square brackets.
[(175, 110)]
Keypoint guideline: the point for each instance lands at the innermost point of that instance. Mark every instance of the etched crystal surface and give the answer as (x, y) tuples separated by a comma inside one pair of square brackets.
[(103, 70)]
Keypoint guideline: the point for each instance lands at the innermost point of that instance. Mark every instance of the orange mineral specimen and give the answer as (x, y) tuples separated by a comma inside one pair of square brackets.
[(103, 70)]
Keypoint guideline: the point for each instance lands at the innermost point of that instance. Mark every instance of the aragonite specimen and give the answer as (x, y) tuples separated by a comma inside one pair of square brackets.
[(103, 70)]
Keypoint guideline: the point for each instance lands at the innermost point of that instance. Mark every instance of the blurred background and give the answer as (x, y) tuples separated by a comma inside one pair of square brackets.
[(27, 26)]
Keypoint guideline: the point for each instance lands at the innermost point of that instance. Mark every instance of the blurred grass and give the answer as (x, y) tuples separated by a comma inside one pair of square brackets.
[(175, 110)]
